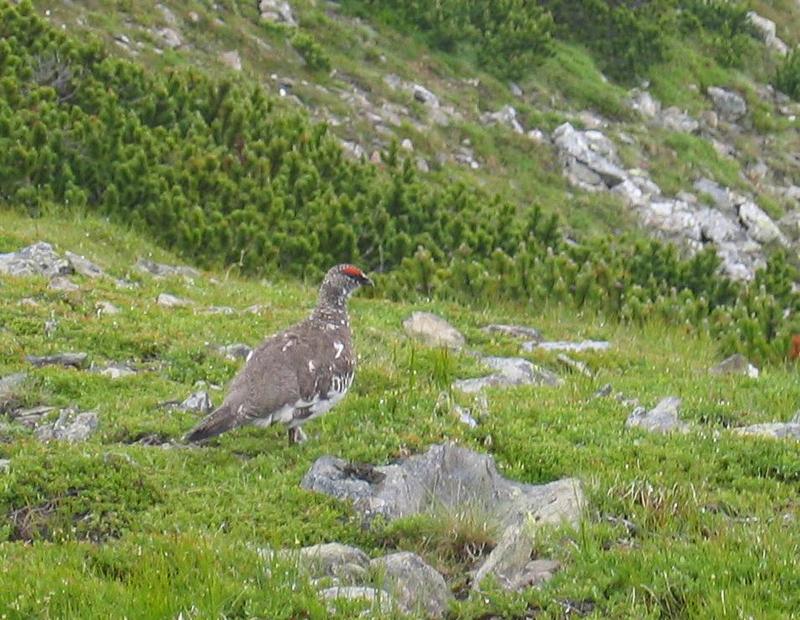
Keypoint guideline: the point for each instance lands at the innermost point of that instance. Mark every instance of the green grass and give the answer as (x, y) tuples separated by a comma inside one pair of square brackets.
[(140, 531)]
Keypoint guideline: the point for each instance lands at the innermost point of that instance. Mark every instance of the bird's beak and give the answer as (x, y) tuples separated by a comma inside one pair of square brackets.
[(365, 281)]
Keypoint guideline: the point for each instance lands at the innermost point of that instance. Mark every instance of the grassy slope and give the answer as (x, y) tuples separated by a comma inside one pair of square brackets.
[(715, 515)]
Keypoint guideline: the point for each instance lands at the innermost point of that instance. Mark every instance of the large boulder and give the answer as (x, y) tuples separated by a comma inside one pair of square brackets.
[(277, 11), (453, 479), (589, 158)]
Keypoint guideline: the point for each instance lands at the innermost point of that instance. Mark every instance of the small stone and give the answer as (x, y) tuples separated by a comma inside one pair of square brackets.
[(433, 330), (5, 465), (172, 301), (77, 360), (169, 37), (604, 391), (71, 426), (663, 418), (219, 310), (231, 59), (60, 283), (83, 265), (161, 270), (464, 416), (407, 145), (509, 372), (730, 105), (234, 351), (515, 331), (773, 430), (278, 12), (117, 371), (736, 364), (199, 402), (574, 347), (106, 308)]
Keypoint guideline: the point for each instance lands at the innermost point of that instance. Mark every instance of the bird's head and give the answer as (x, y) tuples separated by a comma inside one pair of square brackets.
[(342, 281)]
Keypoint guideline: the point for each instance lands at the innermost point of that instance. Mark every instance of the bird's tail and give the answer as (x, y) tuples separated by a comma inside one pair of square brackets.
[(217, 422)]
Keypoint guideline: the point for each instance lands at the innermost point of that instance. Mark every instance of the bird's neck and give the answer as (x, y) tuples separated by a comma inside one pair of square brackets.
[(332, 313)]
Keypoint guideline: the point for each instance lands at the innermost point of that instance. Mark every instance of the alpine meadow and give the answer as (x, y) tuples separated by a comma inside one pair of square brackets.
[(543, 256)]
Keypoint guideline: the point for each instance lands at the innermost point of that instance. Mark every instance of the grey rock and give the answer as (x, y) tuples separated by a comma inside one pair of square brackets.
[(5, 465), (672, 218), (509, 371), (106, 308), (60, 283), (535, 573), (644, 103), (169, 16), (31, 416), (767, 32), (464, 416), (589, 158), (574, 347), (168, 300), (277, 11), (234, 351), (415, 585), (515, 331), (433, 330), (38, 259), (198, 401), (83, 266), (219, 310), (231, 59), (169, 37), (663, 418), (71, 426), (729, 105), (335, 560), (424, 95), (78, 360), (736, 364), (677, 120), (774, 430), (515, 89), (117, 371), (604, 391), (505, 116), (422, 165), (760, 225), (454, 479), (10, 387), (161, 270), (407, 145)]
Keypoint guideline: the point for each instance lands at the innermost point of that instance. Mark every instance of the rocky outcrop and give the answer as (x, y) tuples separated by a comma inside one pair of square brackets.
[(453, 479)]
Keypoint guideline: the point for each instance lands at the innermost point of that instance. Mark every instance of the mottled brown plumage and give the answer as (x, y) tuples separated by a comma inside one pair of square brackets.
[(297, 374)]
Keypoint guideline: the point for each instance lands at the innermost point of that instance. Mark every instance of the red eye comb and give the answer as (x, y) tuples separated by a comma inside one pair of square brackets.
[(353, 271)]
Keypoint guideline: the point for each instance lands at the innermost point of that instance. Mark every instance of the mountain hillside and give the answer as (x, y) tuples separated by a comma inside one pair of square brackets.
[(600, 201)]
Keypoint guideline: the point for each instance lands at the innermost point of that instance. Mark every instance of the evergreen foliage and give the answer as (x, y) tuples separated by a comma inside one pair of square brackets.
[(787, 77), (216, 171)]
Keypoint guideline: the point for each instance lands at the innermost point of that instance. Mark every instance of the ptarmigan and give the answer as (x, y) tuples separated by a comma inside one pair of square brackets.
[(297, 374)]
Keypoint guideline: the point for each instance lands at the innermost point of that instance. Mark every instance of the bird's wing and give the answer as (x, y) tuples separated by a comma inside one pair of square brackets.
[(268, 383)]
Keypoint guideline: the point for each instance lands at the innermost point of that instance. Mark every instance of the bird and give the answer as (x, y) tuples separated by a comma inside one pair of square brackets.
[(298, 374)]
